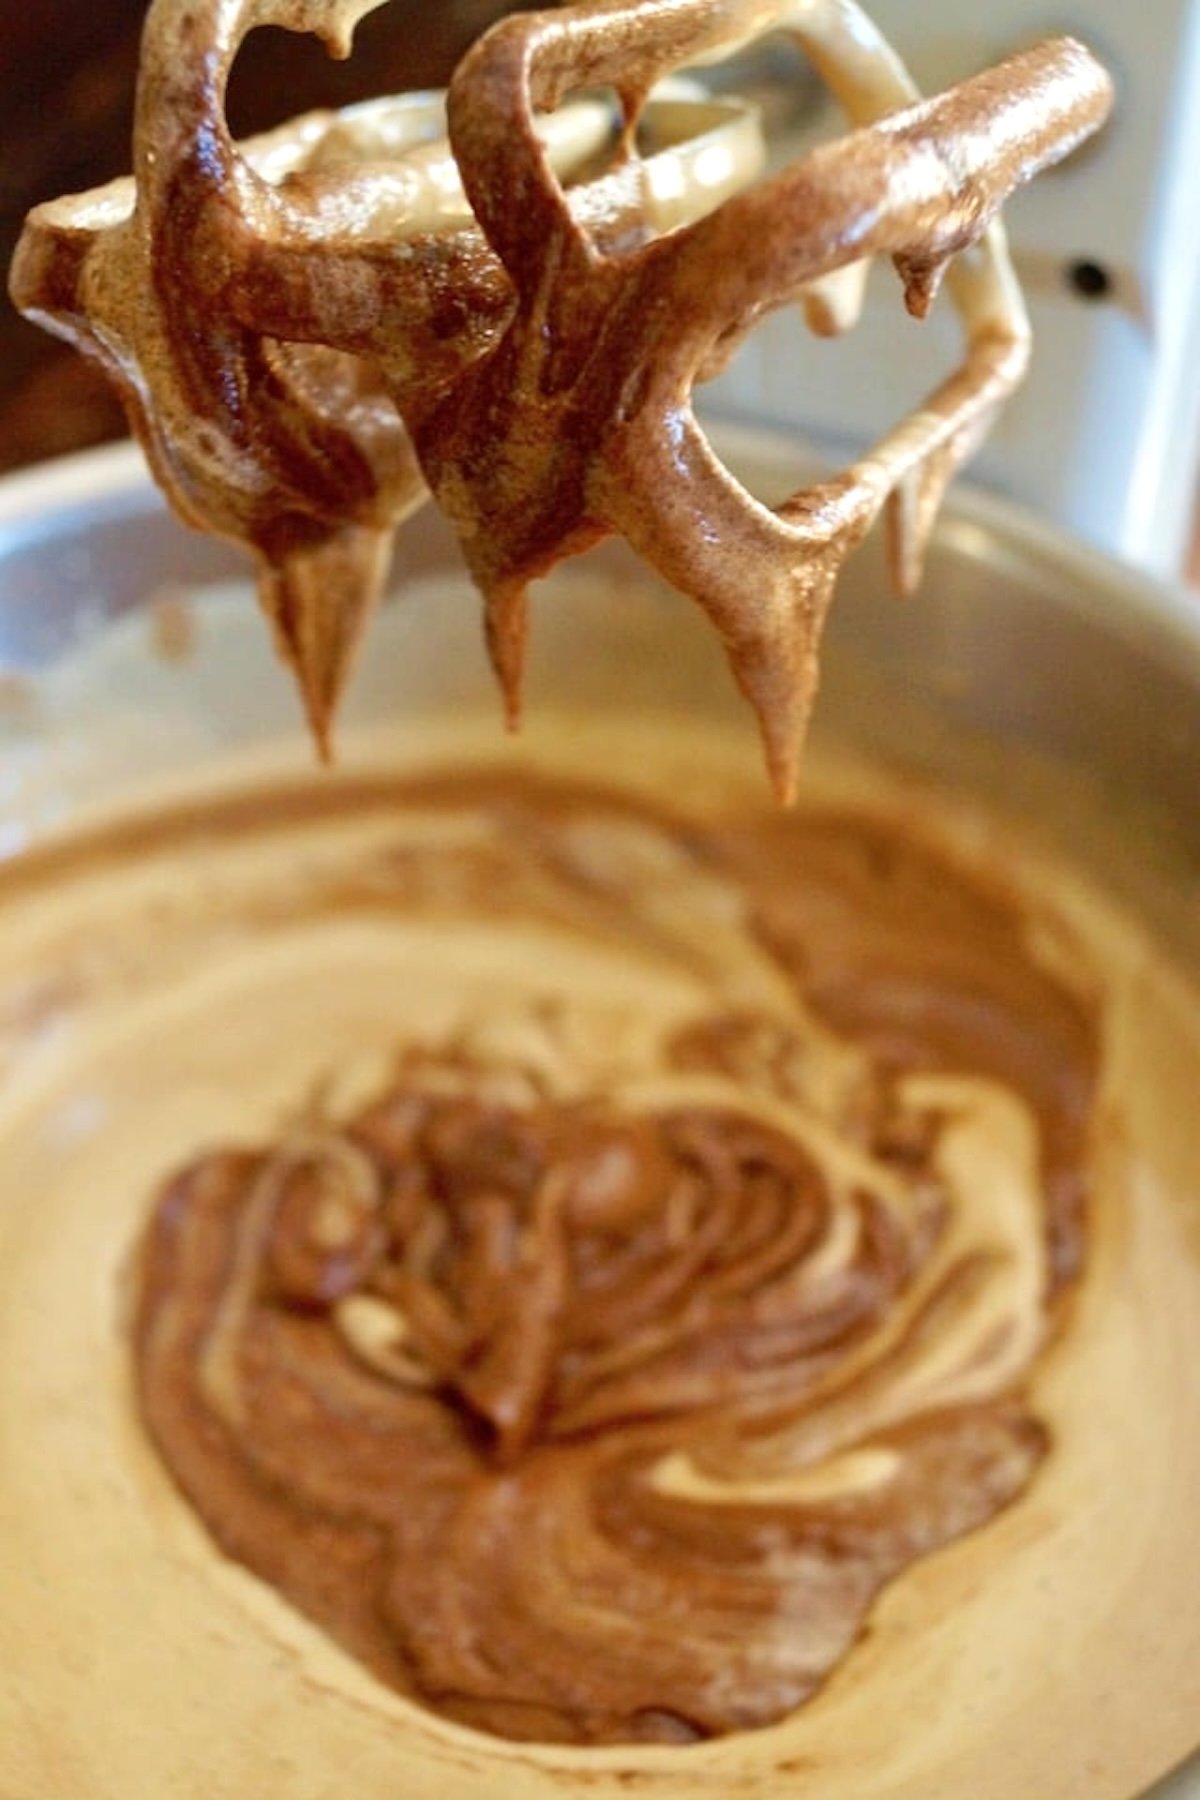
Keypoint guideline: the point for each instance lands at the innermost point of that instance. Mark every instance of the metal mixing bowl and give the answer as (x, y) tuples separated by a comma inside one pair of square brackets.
[(1029, 671)]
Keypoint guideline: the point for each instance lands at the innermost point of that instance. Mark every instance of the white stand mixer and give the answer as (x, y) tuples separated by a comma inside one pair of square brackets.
[(1105, 436)]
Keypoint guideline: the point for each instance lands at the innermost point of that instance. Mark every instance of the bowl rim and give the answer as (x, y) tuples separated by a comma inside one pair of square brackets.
[(115, 478)]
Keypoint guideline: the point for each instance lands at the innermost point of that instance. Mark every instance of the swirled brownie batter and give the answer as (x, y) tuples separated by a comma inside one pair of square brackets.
[(516, 1285), (590, 1381)]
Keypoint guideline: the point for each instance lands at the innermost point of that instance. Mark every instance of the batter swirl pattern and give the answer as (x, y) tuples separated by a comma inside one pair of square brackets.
[(592, 1380)]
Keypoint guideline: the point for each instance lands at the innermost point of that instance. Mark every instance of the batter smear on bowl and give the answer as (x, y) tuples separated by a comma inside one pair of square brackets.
[(591, 1380)]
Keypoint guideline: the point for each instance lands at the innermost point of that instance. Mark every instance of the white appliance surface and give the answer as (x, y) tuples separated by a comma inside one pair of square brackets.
[(1105, 436)]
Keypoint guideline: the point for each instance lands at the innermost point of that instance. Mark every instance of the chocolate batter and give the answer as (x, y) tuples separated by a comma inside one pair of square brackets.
[(590, 1381), (305, 336)]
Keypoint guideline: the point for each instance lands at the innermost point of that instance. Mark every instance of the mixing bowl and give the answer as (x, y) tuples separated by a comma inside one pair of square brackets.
[(1061, 690)]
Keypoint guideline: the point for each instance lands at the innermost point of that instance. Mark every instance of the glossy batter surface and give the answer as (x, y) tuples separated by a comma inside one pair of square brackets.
[(591, 1380), (635, 1270)]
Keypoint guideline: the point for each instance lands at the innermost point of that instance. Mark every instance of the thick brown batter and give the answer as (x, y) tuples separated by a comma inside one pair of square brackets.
[(590, 1382), (305, 333)]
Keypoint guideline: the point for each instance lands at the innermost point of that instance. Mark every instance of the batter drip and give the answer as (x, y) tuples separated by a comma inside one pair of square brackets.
[(304, 339), (591, 1380)]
